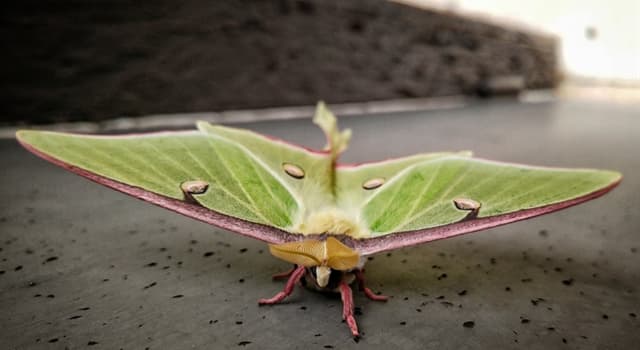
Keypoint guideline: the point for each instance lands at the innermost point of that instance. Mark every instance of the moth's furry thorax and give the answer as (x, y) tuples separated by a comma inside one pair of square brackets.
[(331, 221)]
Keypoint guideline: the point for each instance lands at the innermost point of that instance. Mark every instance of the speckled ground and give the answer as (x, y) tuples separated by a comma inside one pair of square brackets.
[(82, 266)]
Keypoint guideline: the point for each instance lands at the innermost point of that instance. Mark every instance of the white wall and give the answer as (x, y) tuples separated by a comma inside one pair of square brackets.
[(610, 54)]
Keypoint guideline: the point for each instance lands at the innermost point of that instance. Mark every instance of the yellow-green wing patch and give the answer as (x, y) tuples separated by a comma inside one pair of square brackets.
[(312, 190), (241, 185), (423, 195), (356, 184)]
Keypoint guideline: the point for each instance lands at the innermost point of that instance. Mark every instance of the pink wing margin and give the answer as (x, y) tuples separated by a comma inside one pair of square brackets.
[(261, 232), (408, 238)]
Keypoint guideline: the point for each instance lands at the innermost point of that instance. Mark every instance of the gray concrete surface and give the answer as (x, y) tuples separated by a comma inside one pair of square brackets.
[(83, 266)]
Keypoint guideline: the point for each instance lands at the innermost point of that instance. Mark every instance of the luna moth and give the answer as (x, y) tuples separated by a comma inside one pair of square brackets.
[(323, 216)]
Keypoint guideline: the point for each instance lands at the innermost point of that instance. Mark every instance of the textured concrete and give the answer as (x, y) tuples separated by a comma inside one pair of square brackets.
[(83, 266)]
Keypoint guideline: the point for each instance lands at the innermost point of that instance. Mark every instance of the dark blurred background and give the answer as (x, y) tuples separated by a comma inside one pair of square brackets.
[(68, 60)]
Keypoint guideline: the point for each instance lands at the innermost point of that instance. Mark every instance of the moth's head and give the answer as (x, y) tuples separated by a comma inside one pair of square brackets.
[(322, 275), (323, 255)]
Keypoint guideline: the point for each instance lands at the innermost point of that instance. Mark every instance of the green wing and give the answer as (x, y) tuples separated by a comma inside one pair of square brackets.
[(248, 176), (422, 194), (244, 170)]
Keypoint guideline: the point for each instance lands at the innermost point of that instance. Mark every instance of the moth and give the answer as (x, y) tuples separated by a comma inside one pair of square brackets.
[(323, 216)]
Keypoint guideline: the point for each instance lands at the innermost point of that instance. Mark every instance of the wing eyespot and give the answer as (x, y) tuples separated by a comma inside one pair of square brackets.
[(194, 186), (466, 204), (374, 183), (293, 170)]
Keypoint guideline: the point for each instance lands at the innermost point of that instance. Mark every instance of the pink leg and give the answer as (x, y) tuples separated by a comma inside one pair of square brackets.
[(288, 288), (371, 295), (347, 308), (283, 275)]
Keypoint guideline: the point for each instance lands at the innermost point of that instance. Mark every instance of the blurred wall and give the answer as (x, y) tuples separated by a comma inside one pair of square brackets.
[(599, 40), (78, 60)]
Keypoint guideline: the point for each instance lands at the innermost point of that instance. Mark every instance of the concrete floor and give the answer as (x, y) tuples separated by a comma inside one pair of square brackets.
[(83, 266)]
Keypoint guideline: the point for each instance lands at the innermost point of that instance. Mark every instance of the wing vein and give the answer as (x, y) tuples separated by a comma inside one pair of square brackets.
[(155, 174), (389, 203), (234, 177), (278, 200), (213, 178), (414, 207), (268, 169), (444, 193)]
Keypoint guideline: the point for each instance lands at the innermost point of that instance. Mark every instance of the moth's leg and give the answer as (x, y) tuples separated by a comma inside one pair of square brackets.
[(288, 288), (347, 308), (283, 275), (370, 294)]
